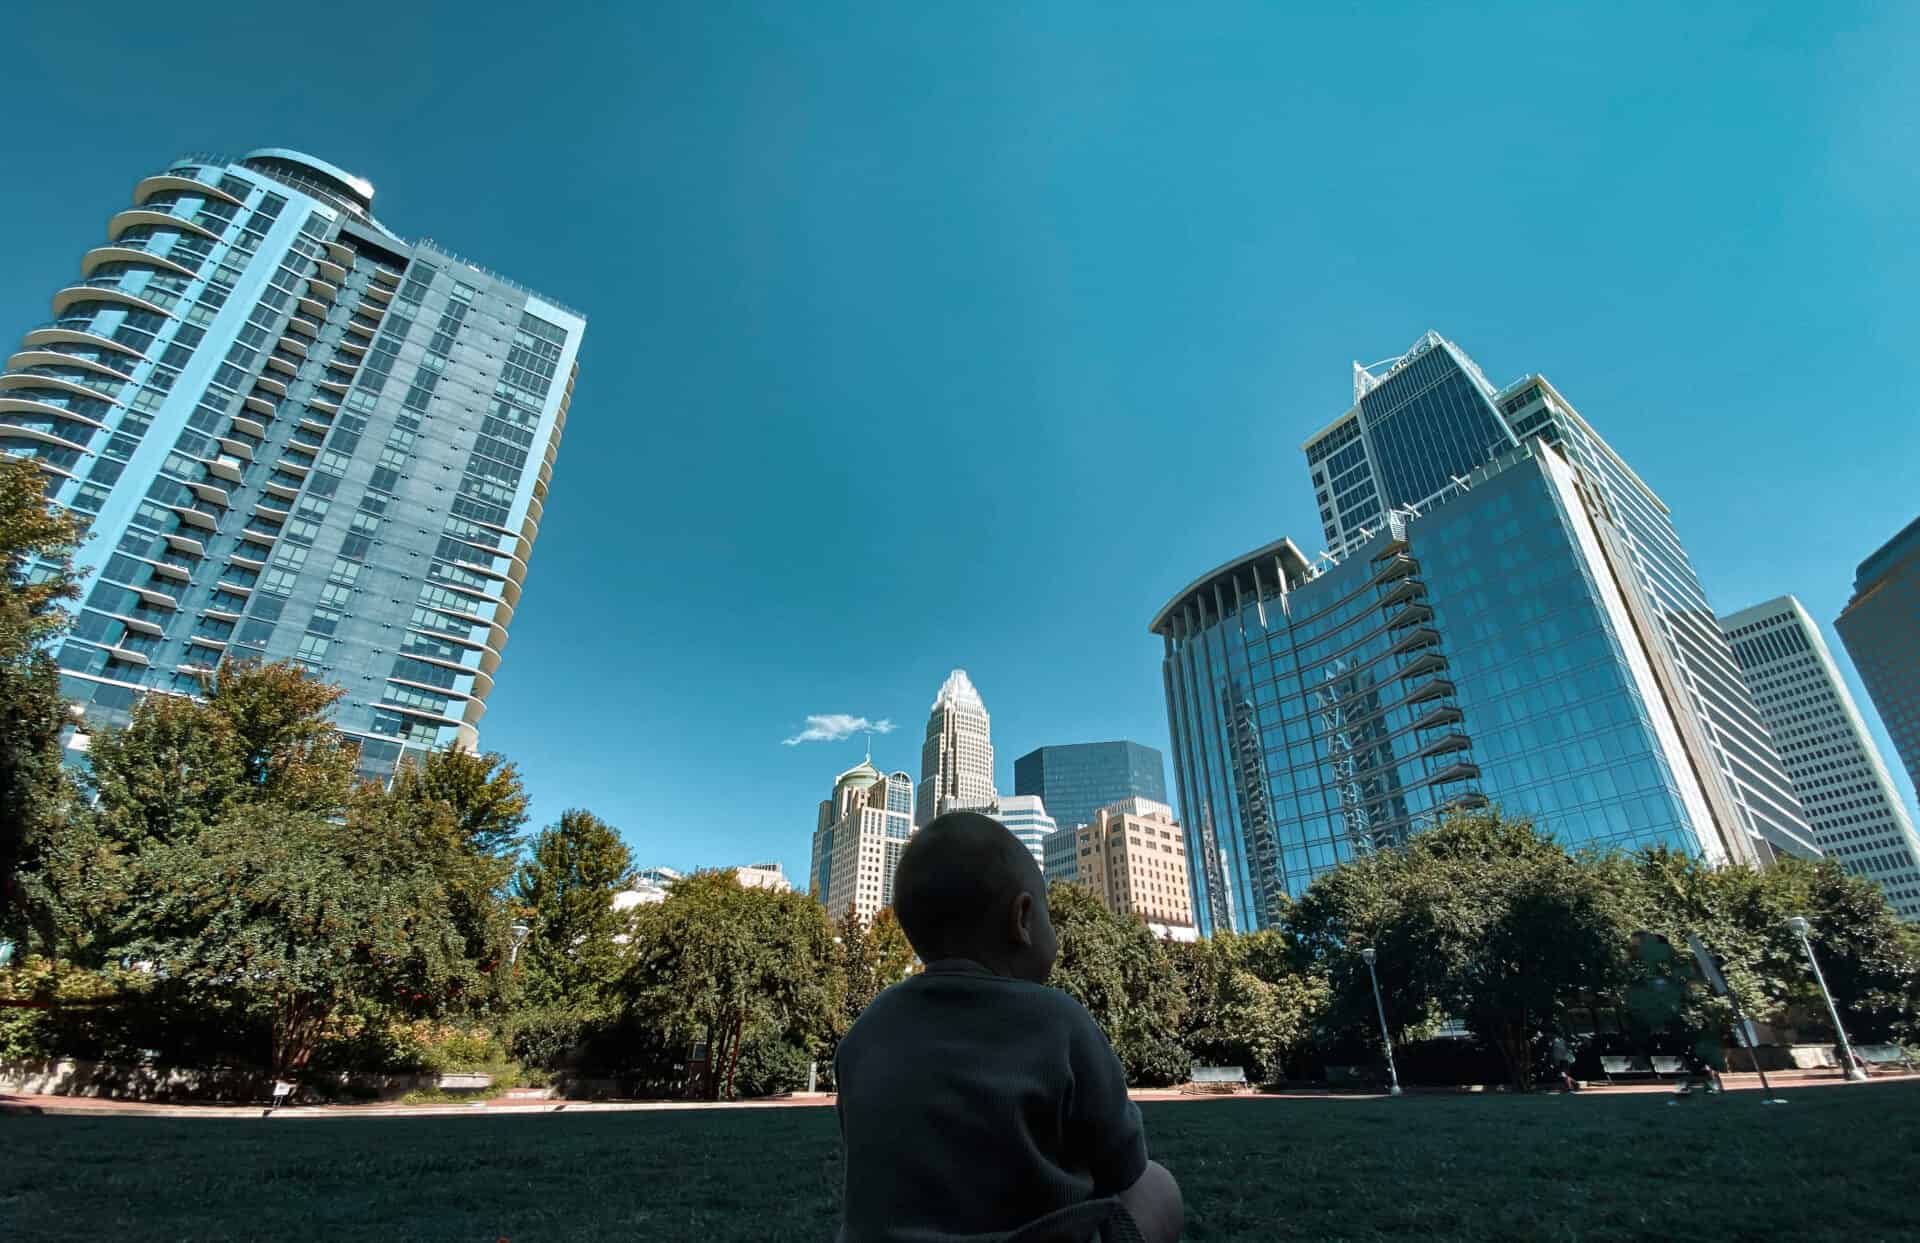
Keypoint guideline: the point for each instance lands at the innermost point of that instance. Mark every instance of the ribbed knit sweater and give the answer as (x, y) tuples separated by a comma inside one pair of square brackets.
[(971, 1104)]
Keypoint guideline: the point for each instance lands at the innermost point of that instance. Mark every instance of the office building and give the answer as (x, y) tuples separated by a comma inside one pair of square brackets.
[(1133, 857), (1026, 817), (1849, 796), (857, 839), (763, 876), (294, 435), (1489, 649), (1431, 417), (1077, 779), (956, 760), (1881, 629)]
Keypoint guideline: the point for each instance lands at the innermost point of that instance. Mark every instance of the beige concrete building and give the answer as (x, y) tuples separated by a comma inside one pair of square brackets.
[(857, 839), (1134, 859)]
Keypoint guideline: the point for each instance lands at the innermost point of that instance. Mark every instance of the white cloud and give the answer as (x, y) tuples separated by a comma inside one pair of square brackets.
[(833, 726)]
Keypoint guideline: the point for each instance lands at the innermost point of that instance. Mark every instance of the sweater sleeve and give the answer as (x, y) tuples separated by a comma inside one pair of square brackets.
[(1105, 1120)]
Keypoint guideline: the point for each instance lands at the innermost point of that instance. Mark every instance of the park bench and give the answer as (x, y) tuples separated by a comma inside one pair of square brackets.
[(1887, 1055), (464, 1081), (1351, 1077), (1216, 1079), (1619, 1066)]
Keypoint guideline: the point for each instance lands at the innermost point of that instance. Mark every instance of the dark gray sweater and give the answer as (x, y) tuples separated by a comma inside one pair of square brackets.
[(971, 1104)]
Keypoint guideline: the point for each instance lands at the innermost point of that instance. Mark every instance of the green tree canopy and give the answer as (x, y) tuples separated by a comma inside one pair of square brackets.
[(484, 793), (566, 888), (1124, 975)]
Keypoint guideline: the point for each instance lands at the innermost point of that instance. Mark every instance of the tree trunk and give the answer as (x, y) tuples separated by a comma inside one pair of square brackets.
[(1516, 1049), (296, 1030), (733, 1059)]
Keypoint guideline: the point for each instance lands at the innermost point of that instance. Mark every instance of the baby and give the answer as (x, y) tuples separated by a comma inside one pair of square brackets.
[(975, 1101)]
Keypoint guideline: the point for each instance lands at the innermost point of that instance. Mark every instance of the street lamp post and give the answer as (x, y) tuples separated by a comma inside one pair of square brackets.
[(1393, 1074), (520, 934), (1800, 928)]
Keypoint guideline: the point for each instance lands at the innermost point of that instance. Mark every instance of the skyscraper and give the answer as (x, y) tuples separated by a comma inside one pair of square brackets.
[(1431, 416), (294, 435), (1848, 794), (857, 839), (1078, 779), (1490, 649), (956, 760), (1881, 628), (1025, 816)]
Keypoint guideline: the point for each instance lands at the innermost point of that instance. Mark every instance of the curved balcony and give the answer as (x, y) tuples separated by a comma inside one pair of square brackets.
[(101, 293), (1402, 591), (326, 289), (1397, 566), (1445, 744), (168, 569), (359, 349), (225, 615), (304, 326), (159, 599), (93, 259), (220, 467), (207, 490), (54, 334), (201, 640), (166, 220), (9, 431), (333, 385), (303, 469), (1412, 640), (18, 379), (195, 517), (285, 366), (243, 424), (260, 405), (180, 541), (55, 358), (1433, 688), (271, 385), (324, 406), (128, 655), (263, 510), (292, 345), (331, 272), (1426, 662), (241, 447), (238, 589), (31, 405), (1459, 770), (340, 252), (1435, 717), (312, 306), (360, 328), (314, 425), (284, 491), (387, 277), (383, 296), (173, 181)]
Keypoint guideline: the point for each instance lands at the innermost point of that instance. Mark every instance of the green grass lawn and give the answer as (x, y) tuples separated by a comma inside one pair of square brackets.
[(1834, 1164)]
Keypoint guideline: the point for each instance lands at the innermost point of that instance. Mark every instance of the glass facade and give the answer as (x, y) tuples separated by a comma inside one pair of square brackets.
[(1076, 780), (1881, 629), (1434, 417), (294, 436), (1478, 653)]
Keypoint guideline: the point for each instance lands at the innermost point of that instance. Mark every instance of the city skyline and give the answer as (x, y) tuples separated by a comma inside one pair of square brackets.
[(962, 342)]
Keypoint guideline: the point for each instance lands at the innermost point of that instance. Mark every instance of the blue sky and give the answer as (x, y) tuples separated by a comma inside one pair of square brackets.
[(925, 336)]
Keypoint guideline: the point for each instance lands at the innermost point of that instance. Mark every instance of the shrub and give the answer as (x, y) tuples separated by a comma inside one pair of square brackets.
[(769, 1064)]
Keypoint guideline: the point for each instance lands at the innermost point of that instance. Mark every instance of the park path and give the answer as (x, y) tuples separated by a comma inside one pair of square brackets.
[(87, 1106)]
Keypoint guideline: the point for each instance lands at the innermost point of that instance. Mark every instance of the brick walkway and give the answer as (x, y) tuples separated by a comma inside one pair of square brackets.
[(87, 1106)]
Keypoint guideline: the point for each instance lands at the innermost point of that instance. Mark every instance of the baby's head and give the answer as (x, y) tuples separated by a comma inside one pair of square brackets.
[(967, 888)]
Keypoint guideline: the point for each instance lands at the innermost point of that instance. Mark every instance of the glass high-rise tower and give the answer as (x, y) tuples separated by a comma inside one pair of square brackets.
[(1837, 772), (294, 435), (1881, 629), (1480, 632), (1077, 779), (1431, 416), (956, 758)]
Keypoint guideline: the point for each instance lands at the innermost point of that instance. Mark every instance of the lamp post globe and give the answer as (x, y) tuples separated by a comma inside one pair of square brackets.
[(1367, 956), (1854, 1071)]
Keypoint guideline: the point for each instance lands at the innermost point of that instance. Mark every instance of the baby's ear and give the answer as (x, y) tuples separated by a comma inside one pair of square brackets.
[(1020, 917)]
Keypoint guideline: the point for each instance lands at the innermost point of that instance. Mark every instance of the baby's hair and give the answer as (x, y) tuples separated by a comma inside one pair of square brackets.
[(955, 879)]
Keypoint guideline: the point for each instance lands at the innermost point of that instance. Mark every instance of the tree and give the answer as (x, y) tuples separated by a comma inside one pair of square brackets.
[(873, 955), (566, 888), (1248, 1005), (291, 917), (484, 793), (1115, 967), (174, 770), (37, 542), (717, 959)]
